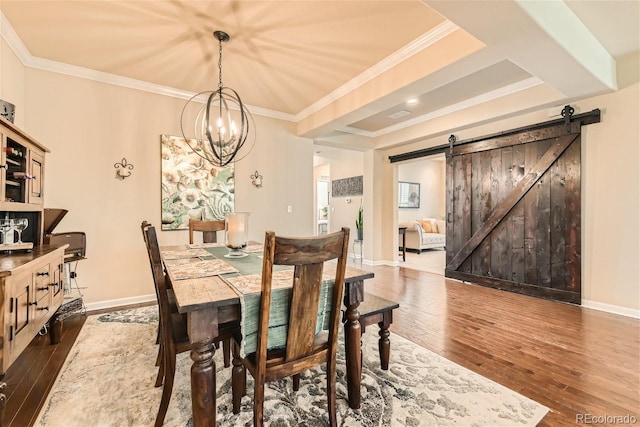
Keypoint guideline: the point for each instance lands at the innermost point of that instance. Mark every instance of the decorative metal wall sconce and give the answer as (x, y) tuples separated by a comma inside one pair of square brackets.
[(256, 179), (123, 169)]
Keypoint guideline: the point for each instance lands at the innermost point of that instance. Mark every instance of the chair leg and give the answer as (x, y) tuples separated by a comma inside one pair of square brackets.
[(160, 363), (258, 402), (296, 382), (384, 346), (226, 352), (161, 367), (159, 357), (238, 378), (167, 389), (331, 392)]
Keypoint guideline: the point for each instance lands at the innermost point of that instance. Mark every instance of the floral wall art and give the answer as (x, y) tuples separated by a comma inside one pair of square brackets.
[(191, 186)]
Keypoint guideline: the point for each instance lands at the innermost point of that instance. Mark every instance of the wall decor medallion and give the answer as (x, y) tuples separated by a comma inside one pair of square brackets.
[(191, 186)]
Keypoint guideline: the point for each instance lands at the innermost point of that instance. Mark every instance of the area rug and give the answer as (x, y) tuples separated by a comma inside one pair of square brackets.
[(108, 377)]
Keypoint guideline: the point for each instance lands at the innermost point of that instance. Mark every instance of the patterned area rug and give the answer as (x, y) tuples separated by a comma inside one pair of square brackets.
[(107, 380)]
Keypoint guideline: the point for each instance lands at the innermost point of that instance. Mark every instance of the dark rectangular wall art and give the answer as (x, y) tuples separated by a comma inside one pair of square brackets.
[(347, 187)]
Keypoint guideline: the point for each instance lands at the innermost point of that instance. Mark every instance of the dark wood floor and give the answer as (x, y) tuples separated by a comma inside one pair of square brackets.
[(570, 359), (31, 376)]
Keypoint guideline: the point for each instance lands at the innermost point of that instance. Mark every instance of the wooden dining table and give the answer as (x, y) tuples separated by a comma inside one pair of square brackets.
[(211, 301)]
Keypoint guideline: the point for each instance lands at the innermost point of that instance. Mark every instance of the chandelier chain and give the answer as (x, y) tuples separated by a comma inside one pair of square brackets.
[(220, 64)]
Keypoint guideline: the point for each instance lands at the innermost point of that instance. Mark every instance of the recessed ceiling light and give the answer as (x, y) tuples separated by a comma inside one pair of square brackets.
[(412, 101)]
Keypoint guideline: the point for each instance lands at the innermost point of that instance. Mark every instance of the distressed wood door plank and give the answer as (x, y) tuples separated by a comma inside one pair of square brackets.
[(549, 157)]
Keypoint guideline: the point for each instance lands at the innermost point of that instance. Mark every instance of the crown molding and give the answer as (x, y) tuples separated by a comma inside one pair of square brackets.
[(437, 33)]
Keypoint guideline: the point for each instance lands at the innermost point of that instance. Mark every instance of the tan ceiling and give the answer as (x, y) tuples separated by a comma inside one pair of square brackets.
[(336, 65)]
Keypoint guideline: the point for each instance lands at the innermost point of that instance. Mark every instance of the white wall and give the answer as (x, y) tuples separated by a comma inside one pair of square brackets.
[(12, 72), (430, 173), (88, 126)]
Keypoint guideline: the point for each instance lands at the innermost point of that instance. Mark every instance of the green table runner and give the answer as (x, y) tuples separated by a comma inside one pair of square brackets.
[(248, 283)]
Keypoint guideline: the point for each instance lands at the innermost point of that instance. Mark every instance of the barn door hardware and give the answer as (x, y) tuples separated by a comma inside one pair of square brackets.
[(567, 113), (452, 141)]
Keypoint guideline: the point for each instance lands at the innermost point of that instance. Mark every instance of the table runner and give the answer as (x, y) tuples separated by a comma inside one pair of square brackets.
[(249, 288), (248, 283)]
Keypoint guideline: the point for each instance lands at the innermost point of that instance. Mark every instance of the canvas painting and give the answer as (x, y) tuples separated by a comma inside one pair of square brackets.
[(191, 186)]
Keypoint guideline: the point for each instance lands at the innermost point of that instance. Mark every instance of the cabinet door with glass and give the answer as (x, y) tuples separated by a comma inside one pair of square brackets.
[(16, 176), (21, 170)]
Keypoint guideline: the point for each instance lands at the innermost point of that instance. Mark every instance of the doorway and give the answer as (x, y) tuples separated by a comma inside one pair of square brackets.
[(428, 175), (322, 206)]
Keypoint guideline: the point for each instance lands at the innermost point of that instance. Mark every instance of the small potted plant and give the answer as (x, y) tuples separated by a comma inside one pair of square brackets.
[(359, 224)]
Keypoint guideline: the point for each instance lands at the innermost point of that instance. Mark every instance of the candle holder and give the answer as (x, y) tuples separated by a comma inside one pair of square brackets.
[(236, 233)]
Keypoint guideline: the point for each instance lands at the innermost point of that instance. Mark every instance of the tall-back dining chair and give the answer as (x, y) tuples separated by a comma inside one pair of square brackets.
[(304, 348), (173, 325), (209, 229)]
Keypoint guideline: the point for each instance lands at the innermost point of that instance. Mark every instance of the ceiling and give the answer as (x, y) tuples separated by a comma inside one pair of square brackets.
[(337, 67)]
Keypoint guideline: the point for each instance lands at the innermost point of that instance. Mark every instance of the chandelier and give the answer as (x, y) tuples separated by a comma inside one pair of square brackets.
[(223, 130)]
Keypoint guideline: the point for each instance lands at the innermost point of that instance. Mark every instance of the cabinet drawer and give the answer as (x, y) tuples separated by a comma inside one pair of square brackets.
[(42, 280), (42, 307)]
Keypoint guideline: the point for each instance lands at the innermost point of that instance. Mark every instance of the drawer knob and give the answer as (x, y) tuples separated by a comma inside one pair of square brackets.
[(42, 273)]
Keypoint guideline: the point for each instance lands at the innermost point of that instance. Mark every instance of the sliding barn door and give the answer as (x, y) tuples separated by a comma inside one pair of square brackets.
[(513, 212)]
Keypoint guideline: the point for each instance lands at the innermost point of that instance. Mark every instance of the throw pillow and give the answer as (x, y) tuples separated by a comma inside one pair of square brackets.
[(426, 226)]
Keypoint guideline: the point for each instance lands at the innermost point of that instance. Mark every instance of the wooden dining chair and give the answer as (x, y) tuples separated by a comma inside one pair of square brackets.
[(173, 325), (144, 227), (209, 229), (304, 347)]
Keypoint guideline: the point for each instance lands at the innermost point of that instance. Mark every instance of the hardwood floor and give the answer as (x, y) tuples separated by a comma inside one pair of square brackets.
[(571, 359), (31, 376)]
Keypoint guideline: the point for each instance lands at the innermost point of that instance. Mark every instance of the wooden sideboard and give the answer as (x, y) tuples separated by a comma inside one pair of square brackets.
[(31, 282), (31, 290)]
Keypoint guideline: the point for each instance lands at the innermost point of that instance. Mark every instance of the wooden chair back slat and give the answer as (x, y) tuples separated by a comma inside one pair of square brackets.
[(209, 229), (303, 311)]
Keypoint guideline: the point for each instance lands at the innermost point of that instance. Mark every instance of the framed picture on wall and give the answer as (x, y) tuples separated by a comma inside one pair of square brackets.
[(408, 194), (191, 186)]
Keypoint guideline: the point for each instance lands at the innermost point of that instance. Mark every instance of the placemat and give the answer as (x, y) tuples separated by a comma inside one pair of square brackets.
[(184, 253), (190, 269)]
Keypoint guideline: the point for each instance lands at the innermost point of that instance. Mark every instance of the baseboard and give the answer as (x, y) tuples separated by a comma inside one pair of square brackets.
[(609, 308), (101, 305)]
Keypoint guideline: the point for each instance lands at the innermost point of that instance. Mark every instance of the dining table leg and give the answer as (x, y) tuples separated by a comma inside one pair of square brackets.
[(203, 329), (354, 294)]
